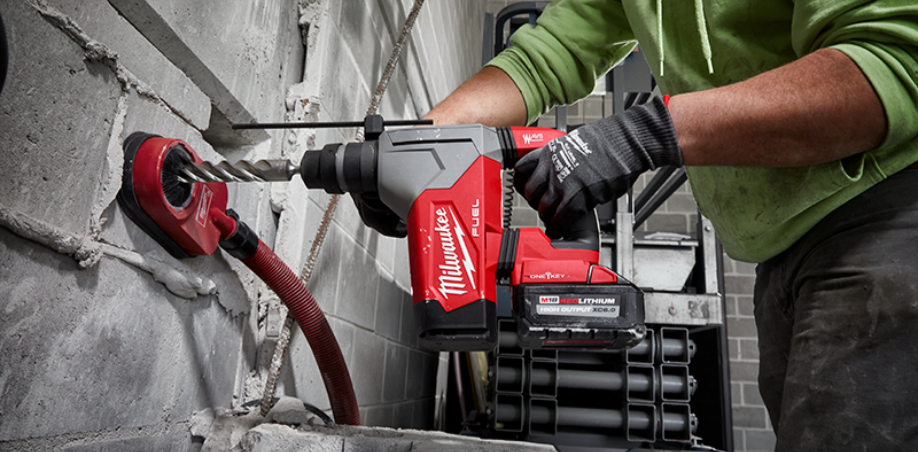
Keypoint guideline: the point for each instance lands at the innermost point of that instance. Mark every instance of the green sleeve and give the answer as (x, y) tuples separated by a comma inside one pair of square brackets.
[(881, 37), (558, 61)]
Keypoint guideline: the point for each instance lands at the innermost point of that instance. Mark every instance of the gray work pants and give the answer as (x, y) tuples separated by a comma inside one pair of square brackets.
[(837, 319)]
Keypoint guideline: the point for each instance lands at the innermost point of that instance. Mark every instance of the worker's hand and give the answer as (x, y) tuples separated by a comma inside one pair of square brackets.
[(596, 163), (379, 216)]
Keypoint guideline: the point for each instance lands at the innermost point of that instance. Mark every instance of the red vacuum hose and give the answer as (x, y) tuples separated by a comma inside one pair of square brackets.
[(293, 292)]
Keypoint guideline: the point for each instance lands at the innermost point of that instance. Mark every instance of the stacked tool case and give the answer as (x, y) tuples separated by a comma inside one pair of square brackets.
[(641, 395), (672, 390)]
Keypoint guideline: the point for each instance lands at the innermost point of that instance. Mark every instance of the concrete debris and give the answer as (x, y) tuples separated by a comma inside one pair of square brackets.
[(220, 429), (251, 433), (290, 411)]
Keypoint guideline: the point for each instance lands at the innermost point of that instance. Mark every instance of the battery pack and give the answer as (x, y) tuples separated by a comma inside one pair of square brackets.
[(607, 316)]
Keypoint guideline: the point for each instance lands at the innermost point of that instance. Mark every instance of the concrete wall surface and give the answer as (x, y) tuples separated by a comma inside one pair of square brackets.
[(109, 343)]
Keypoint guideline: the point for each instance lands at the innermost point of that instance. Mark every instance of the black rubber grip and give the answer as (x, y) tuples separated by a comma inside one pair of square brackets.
[(507, 147)]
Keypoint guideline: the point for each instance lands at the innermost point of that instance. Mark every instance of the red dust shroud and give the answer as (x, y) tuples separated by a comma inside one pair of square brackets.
[(189, 220)]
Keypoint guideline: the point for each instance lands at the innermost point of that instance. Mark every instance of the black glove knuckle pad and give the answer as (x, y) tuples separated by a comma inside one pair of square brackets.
[(597, 163)]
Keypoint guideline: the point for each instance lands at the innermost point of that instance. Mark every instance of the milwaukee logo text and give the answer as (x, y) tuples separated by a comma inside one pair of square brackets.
[(455, 268)]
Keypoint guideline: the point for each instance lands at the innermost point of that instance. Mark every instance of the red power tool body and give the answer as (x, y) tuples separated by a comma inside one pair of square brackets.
[(446, 183)]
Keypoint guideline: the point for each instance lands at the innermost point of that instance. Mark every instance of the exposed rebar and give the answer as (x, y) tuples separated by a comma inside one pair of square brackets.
[(284, 340)]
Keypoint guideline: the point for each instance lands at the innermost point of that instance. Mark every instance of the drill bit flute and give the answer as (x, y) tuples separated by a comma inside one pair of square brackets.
[(274, 170)]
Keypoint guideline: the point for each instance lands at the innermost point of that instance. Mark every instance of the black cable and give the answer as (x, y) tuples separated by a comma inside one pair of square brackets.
[(4, 54), (309, 407), (319, 413)]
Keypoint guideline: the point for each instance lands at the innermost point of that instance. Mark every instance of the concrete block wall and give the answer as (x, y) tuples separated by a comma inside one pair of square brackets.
[(107, 342), (362, 277)]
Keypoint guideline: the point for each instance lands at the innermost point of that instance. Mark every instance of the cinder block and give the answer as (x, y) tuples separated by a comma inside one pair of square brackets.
[(745, 268), (760, 440), (367, 366), (55, 140), (730, 306), (124, 351), (739, 440), (736, 393), (389, 309), (233, 76), (103, 23), (741, 327), (300, 364), (752, 417), (366, 36), (422, 379), (396, 368), (408, 333), (749, 349), (178, 442), (733, 349), (402, 268), (383, 249), (324, 280), (347, 217), (744, 371), (751, 395), (378, 416), (744, 305), (357, 286), (414, 388), (403, 415), (423, 414), (739, 285)]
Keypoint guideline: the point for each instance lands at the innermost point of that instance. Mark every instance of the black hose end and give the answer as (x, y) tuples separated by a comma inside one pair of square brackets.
[(243, 243)]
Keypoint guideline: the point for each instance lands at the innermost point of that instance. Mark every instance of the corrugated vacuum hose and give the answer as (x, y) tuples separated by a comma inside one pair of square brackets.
[(238, 240), (189, 220)]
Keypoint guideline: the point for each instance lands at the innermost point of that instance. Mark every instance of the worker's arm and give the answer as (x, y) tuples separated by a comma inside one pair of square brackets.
[(817, 109), (490, 97)]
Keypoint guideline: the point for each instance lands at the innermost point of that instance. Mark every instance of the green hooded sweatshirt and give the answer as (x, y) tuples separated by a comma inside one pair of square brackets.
[(694, 45)]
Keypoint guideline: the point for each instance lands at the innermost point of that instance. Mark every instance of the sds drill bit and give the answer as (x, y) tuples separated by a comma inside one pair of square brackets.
[(241, 171)]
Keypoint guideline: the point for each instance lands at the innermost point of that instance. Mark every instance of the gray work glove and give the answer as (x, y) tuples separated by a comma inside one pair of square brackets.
[(596, 163)]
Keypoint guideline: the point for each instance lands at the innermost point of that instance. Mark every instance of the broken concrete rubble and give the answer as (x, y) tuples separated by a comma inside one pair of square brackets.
[(289, 426)]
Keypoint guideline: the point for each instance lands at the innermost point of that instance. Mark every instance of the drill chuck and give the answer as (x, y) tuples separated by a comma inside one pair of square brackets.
[(341, 168)]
